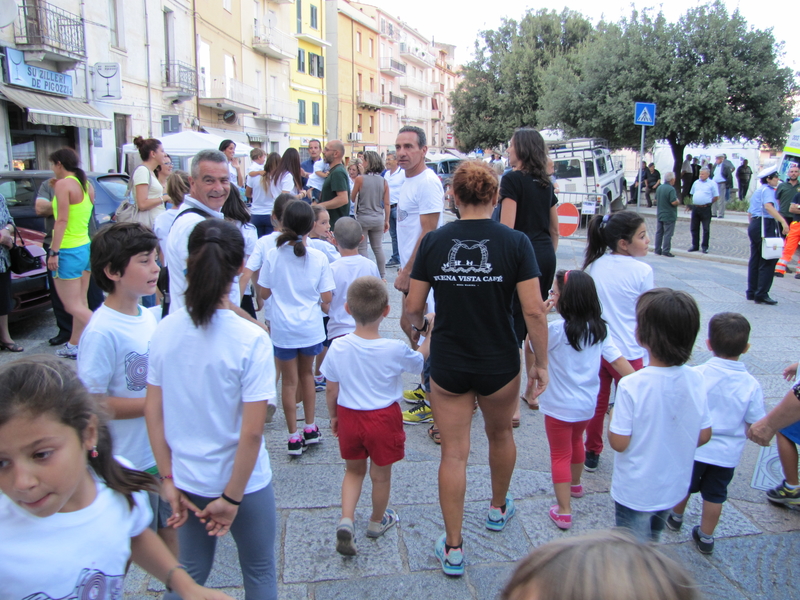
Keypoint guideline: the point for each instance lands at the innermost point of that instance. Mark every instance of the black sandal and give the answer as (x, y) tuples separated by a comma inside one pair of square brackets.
[(11, 347)]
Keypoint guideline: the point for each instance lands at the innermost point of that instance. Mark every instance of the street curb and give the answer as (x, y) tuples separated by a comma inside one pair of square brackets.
[(700, 256)]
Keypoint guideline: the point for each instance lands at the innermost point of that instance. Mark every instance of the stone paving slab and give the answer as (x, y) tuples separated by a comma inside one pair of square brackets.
[(732, 523), (420, 586), (712, 583)]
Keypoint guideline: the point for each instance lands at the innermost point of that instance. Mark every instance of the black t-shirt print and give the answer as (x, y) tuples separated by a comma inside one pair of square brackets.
[(473, 267)]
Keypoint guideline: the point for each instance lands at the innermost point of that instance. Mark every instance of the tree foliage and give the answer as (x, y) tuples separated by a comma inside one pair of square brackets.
[(501, 87), (711, 75)]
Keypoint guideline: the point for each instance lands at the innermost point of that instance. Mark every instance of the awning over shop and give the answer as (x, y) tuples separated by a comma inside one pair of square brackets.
[(239, 137), (50, 110)]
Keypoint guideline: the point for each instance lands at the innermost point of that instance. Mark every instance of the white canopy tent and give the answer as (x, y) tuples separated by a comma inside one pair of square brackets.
[(187, 144)]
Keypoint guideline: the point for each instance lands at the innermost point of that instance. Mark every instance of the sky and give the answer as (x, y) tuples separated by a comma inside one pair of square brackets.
[(459, 21)]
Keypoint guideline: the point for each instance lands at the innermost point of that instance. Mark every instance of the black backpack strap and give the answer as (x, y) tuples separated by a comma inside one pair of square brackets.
[(163, 277), (194, 210)]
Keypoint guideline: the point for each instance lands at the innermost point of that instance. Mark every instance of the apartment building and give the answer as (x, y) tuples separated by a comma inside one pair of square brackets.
[(445, 79), (353, 92), (308, 76)]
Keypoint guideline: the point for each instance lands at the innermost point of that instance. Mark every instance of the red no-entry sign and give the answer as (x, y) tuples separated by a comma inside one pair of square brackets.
[(568, 219)]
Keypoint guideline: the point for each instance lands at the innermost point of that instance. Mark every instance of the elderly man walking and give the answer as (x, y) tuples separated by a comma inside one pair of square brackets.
[(720, 174), (666, 215), (704, 193)]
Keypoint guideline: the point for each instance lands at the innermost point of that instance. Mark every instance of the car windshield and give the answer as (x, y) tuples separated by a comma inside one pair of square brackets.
[(115, 185), (18, 192)]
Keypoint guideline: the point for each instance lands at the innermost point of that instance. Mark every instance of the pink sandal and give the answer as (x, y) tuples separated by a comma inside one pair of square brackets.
[(561, 521)]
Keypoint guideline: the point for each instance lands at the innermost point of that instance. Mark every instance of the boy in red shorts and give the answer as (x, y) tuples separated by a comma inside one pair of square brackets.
[(363, 372)]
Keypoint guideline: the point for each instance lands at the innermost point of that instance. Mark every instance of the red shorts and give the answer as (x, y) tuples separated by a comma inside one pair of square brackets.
[(377, 434)]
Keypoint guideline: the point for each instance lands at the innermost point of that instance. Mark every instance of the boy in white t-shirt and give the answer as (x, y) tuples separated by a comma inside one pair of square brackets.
[(735, 401), (660, 416), (345, 270), (113, 356), (364, 373)]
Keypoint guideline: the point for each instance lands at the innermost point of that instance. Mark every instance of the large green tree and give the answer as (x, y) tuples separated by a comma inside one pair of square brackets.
[(712, 76), (500, 88)]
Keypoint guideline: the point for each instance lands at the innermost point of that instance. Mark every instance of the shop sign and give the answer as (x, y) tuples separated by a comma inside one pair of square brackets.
[(20, 74)]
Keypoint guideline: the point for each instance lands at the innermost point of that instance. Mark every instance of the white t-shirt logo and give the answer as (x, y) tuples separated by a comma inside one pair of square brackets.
[(463, 256), (402, 215), (136, 370)]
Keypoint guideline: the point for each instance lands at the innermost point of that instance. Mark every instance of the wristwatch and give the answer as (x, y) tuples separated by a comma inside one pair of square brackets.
[(424, 327)]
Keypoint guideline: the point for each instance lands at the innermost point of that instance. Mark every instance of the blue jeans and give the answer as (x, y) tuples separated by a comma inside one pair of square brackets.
[(646, 526), (253, 530), (262, 223), (395, 257)]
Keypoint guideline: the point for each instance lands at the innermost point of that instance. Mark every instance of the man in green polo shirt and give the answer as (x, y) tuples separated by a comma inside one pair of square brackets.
[(666, 215), (335, 195)]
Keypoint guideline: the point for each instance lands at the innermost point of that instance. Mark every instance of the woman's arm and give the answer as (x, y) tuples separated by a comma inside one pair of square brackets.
[(534, 312), (508, 212), (770, 208), (554, 226), (325, 305), (219, 514), (416, 302), (387, 206), (142, 201), (354, 193), (62, 192)]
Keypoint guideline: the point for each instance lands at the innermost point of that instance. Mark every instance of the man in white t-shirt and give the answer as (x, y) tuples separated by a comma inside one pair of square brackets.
[(395, 177)]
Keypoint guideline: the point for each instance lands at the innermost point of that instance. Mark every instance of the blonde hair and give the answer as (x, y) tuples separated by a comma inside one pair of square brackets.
[(607, 565)]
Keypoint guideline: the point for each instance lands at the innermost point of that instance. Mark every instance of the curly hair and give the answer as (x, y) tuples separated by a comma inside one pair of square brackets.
[(475, 183)]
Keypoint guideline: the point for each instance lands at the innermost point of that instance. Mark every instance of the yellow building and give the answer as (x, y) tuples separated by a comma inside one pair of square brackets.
[(353, 82), (308, 75)]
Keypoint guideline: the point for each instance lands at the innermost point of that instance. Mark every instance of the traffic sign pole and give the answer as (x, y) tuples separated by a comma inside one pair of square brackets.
[(641, 158), (644, 114)]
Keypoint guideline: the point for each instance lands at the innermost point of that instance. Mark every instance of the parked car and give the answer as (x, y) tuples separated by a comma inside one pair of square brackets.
[(29, 291), (20, 187), (444, 167)]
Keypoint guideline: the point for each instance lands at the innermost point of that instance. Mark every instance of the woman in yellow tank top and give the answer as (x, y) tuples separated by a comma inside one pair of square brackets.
[(69, 252)]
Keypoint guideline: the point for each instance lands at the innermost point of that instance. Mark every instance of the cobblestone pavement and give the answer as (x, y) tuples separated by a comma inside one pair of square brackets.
[(756, 543)]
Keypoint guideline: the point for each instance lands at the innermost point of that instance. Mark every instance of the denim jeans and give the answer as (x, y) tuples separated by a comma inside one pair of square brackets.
[(395, 257), (646, 526)]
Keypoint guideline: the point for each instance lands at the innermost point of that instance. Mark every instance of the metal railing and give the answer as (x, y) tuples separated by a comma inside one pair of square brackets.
[(266, 36), (420, 55), (390, 64), (233, 90), (43, 24), (587, 203), (179, 75), (416, 85), (391, 99)]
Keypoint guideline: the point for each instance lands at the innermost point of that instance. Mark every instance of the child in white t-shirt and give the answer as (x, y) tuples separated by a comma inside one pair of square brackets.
[(81, 514), (113, 360), (345, 270), (620, 280), (298, 280), (576, 344), (660, 416), (322, 239), (735, 401), (210, 382), (264, 244), (364, 374)]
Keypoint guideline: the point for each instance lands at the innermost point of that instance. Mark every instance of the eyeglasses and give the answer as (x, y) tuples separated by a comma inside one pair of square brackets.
[(167, 164)]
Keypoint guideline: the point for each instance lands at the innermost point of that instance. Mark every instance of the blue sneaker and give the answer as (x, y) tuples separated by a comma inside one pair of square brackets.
[(497, 519), (452, 561)]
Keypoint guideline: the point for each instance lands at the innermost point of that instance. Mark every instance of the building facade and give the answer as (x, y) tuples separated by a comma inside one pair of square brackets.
[(444, 82)]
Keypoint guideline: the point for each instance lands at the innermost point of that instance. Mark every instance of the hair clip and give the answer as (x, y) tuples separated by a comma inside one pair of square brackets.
[(299, 238), (566, 275)]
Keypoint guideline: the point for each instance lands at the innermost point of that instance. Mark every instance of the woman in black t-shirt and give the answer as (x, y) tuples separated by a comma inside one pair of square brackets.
[(475, 265)]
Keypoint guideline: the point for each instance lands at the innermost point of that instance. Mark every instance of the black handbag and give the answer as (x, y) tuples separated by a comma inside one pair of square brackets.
[(22, 260)]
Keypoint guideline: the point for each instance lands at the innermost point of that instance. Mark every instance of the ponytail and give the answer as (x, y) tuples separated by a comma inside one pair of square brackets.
[(605, 232), (216, 253), (69, 159), (297, 221), (44, 385)]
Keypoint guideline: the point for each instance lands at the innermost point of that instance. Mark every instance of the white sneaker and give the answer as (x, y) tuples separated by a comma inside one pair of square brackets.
[(68, 351)]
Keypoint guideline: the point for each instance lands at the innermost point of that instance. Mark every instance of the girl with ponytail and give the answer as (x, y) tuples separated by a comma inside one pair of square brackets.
[(71, 514), (205, 416), (615, 241), (299, 281)]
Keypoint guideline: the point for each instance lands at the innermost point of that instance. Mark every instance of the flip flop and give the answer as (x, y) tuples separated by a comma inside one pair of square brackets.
[(534, 405), (433, 433)]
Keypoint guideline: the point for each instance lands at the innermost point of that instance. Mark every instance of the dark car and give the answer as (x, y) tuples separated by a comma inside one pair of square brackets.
[(20, 188), (29, 291), (444, 168)]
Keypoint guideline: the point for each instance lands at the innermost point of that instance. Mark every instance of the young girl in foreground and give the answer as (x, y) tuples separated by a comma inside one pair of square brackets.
[(299, 281), (71, 516), (620, 280), (205, 417), (322, 239), (576, 344), (607, 565)]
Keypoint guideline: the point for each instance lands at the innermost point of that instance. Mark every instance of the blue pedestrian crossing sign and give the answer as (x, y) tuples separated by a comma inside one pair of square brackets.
[(644, 113)]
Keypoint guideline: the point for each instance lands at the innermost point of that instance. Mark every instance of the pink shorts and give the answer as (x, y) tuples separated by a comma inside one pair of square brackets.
[(377, 434)]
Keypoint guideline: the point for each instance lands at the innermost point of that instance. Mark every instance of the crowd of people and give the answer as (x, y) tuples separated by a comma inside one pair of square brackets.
[(161, 428)]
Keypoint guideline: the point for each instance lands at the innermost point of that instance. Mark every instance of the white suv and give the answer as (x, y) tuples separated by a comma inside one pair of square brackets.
[(585, 166)]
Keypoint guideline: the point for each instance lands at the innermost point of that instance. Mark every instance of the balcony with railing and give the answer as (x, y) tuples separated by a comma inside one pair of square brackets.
[(178, 80), (392, 101), (416, 85), (416, 55), (280, 111), (390, 66), (231, 95), (47, 32), (416, 114), (370, 100), (273, 42)]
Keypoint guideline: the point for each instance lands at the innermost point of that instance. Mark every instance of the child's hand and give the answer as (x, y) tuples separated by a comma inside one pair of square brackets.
[(181, 505), (431, 318), (204, 593), (549, 304), (334, 426), (790, 372), (331, 238), (217, 516)]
